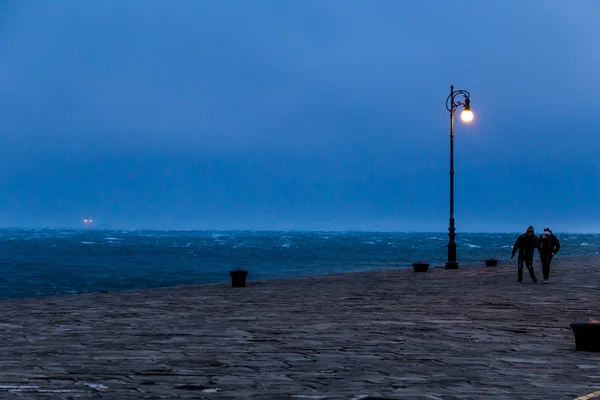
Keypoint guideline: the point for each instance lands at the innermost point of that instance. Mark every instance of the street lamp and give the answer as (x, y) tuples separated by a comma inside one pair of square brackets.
[(466, 116)]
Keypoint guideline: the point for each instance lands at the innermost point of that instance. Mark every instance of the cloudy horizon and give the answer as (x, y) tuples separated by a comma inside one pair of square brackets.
[(299, 115)]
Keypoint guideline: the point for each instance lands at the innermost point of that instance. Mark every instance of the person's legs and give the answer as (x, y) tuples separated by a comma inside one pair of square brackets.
[(548, 266), (545, 259), (520, 269), (529, 265)]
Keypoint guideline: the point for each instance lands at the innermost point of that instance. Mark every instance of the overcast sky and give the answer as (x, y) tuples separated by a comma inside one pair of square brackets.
[(312, 114)]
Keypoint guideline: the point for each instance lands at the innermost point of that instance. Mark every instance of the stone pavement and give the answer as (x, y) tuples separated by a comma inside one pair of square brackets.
[(473, 333)]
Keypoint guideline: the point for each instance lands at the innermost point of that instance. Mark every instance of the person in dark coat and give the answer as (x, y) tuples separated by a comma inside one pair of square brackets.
[(526, 244), (548, 246)]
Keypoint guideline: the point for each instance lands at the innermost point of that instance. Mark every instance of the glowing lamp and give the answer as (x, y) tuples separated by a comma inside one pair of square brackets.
[(466, 115)]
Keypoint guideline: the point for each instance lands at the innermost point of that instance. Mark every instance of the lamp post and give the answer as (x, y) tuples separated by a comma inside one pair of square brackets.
[(467, 116)]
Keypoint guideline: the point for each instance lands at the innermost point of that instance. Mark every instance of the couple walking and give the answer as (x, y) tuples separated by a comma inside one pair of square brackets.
[(547, 245)]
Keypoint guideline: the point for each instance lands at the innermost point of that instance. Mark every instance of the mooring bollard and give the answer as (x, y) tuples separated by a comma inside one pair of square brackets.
[(238, 277), (420, 266), (587, 335), (491, 262)]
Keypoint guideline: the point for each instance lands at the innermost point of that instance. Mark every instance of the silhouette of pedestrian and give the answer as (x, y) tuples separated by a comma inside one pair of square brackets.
[(548, 246), (525, 244)]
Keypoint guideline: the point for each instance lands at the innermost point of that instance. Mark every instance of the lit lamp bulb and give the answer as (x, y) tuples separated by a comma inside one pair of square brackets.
[(466, 115)]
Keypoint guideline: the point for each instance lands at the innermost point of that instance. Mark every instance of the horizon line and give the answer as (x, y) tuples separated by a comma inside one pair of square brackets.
[(83, 228)]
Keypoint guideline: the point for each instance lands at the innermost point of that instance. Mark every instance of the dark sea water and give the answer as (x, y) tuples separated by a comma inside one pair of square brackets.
[(53, 262)]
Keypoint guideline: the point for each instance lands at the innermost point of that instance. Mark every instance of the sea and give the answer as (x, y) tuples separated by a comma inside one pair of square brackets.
[(49, 262)]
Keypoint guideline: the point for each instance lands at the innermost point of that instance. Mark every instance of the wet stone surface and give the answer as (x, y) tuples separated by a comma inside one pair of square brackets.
[(468, 334)]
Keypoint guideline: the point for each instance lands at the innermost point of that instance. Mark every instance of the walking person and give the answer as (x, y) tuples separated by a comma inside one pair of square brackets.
[(548, 246), (526, 244)]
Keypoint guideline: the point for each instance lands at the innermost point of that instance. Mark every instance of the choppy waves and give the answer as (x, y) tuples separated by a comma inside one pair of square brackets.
[(50, 262)]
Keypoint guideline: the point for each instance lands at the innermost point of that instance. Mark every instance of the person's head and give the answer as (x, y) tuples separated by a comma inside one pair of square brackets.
[(547, 232), (530, 231)]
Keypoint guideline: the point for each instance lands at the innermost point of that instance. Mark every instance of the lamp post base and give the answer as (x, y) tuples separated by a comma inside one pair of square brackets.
[(451, 265)]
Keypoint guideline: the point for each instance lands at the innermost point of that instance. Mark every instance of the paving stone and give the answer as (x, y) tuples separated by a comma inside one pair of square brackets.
[(473, 333)]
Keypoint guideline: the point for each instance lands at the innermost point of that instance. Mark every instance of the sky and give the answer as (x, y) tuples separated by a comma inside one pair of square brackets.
[(308, 115)]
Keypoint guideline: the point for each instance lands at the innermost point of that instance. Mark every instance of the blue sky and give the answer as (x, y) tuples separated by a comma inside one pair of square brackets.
[(296, 114)]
